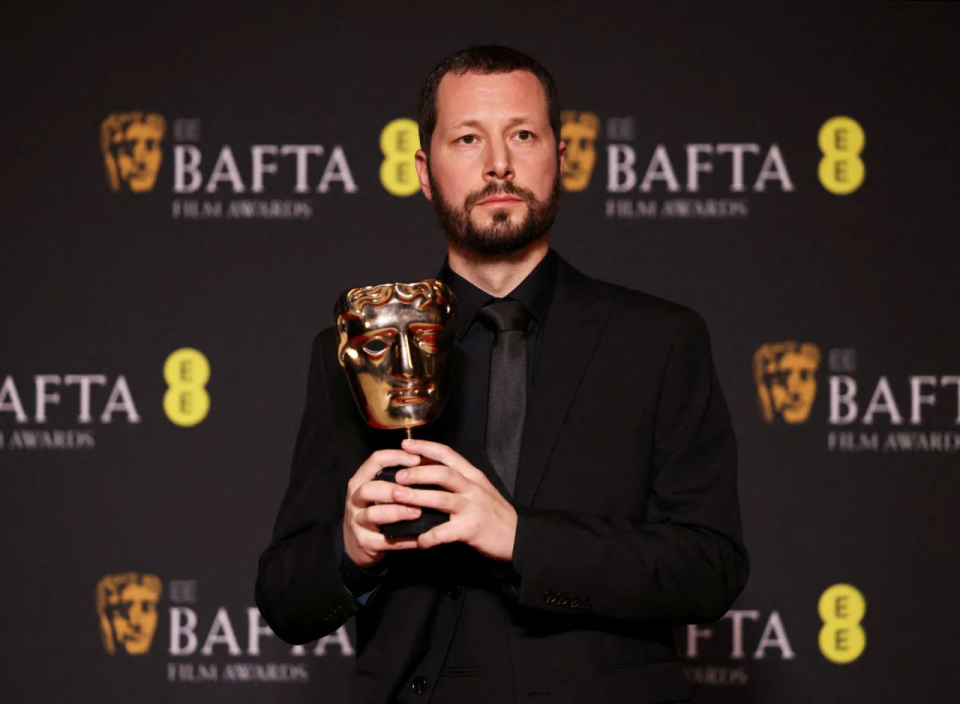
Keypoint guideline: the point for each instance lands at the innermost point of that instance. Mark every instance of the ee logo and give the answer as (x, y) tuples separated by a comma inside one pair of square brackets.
[(842, 608), (399, 143), (186, 372), (841, 170)]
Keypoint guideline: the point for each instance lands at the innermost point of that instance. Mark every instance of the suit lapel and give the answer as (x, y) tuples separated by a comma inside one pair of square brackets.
[(577, 316)]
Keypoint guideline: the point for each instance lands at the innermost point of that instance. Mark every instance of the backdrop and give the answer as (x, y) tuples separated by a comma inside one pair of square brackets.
[(186, 191)]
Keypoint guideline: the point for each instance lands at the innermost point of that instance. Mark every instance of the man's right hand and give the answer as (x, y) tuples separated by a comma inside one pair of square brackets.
[(370, 504)]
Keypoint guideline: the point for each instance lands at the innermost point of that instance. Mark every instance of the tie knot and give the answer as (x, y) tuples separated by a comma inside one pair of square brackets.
[(505, 315)]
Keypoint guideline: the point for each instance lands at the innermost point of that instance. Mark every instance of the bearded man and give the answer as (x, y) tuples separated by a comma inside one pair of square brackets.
[(586, 456)]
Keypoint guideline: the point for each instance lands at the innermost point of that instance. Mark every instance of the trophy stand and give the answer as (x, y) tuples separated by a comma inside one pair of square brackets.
[(429, 517)]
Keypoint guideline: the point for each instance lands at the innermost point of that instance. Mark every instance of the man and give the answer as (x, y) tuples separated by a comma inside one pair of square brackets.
[(571, 548)]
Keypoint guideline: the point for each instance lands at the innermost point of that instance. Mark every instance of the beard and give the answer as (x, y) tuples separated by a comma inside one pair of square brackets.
[(502, 235)]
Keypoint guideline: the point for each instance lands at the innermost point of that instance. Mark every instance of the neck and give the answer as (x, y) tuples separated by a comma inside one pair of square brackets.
[(497, 275)]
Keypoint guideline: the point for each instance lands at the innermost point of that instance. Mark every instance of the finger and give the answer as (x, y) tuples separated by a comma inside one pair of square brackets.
[(375, 490), (448, 532), (442, 454), (375, 541), (380, 459), (443, 500), (387, 513), (442, 475)]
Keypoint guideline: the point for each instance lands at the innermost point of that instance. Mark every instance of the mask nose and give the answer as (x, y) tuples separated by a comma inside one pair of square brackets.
[(407, 358)]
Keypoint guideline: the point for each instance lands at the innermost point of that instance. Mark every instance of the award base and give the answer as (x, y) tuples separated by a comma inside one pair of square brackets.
[(429, 517)]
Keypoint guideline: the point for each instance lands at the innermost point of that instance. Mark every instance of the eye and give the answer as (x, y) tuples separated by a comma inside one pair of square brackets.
[(375, 347), (467, 139), (524, 135)]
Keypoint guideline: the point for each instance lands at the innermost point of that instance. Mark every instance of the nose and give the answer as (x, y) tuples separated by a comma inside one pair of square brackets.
[(498, 164), (407, 358)]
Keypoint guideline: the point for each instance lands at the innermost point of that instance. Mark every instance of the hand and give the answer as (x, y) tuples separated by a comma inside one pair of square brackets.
[(370, 504), (479, 515)]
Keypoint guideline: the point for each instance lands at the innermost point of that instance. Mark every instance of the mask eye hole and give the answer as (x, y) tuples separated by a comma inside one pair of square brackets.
[(375, 347)]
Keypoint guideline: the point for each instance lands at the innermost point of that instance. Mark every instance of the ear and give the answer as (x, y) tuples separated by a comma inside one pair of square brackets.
[(562, 151), (420, 160)]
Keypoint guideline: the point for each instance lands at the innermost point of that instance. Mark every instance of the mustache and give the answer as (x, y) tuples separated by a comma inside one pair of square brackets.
[(495, 188)]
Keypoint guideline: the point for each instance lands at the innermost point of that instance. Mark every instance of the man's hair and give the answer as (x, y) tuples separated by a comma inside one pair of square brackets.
[(484, 60)]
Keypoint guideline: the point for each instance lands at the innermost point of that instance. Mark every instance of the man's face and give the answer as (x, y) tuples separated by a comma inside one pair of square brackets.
[(134, 618), (138, 156), (397, 359), (494, 167), (793, 387)]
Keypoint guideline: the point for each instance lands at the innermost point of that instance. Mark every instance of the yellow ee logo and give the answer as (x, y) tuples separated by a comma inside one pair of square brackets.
[(399, 143), (841, 608), (841, 170), (186, 372)]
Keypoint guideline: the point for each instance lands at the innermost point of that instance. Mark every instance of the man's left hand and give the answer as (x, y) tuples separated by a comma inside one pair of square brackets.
[(479, 514)]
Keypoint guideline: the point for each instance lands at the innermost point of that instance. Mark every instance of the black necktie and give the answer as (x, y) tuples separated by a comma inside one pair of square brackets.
[(507, 404)]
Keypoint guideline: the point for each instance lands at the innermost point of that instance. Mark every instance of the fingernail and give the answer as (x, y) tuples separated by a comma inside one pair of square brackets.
[(413, 512), (402, 475), (406, 441), (400, 494)]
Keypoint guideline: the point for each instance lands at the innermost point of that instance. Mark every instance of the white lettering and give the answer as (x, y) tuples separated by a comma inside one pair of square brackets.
[(120, 400), (225, 170), (41, 381), (660, 169), (84, 380), (737, 151), (615, 167), (221, 631), (845, 399), (882, 401), (773, 169), (260, 167), (10, 400), (182, 167), (695, 166)]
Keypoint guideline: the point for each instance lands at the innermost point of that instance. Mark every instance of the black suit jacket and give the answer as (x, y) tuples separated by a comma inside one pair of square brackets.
[(626, 495)]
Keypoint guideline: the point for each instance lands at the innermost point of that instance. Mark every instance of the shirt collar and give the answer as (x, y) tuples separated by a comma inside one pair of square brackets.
[(535, 292)]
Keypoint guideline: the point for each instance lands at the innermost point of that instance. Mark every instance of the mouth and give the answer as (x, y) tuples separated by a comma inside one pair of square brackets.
[(500, 201), (410, 394)]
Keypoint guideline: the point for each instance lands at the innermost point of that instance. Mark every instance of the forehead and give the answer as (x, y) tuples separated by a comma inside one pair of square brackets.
[(578, 129), (794, 360), (137, 591), (140, 129), (394, 313), (475, 96)]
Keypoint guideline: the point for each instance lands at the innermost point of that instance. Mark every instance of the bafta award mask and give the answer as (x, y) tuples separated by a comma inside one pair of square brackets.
[(396, 347)]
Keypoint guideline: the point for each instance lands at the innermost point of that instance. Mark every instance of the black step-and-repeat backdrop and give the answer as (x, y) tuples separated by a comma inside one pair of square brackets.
[(186, 190)]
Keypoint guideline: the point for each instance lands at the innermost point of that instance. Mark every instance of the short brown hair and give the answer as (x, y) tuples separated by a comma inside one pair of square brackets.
[(484, 60)]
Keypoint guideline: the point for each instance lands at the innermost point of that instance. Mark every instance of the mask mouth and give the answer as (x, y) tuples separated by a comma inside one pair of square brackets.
[(408, 395)]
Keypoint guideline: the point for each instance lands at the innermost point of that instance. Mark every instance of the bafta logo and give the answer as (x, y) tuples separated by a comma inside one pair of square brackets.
[(130, 142), (127, 607), (579, 131), (785, 373)]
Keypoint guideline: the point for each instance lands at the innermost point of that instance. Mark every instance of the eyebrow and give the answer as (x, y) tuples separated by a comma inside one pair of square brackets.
[(476, 123)]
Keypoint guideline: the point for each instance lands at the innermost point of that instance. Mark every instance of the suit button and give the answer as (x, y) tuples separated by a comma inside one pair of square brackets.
[(419, 685), (455, 591), (563, 600), (574, 603), (549, 597), (585, 604)]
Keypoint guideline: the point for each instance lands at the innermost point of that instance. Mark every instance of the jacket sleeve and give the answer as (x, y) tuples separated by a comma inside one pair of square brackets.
[(300, 590), (686, 561)]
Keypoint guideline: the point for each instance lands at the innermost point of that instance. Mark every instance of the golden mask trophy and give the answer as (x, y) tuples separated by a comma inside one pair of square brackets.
[(396, 348)]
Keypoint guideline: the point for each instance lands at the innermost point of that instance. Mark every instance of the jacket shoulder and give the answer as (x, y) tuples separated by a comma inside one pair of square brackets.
[(629, 304)]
